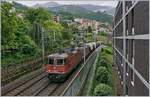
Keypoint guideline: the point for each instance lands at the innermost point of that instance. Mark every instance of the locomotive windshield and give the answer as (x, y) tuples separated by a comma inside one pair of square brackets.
[(51, 61), (61, 61), (57, 61)]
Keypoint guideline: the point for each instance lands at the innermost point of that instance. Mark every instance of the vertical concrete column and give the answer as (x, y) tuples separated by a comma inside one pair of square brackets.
[(124, 48)]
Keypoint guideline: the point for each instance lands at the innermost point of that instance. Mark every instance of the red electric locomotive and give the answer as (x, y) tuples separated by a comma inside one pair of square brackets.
[(60, 65)]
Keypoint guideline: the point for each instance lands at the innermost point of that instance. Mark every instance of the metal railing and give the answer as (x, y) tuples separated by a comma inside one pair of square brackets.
[(77, 82)]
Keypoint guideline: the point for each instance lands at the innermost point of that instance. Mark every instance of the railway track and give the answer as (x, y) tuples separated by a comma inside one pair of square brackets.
[(38, 85), (13, 85), (16, 91), (34, 87)]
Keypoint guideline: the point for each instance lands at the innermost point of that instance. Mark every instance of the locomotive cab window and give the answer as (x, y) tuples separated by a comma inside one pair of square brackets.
[(51, 61), (61, 61)]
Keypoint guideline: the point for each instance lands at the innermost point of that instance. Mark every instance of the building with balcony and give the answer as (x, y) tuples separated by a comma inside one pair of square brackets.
[(56, 18)]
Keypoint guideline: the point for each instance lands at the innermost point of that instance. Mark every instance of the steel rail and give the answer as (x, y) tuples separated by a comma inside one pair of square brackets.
[(41, 89), (8, 88), (23, 88)]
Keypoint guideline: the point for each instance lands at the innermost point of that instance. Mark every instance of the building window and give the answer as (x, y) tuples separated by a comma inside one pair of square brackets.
[(127, 67), (122, 64), (127, 33), (133, 62), (132, 77), (127, 8), (132, 19), (126, 89), (127, 25), (133, 50), (133, 31)]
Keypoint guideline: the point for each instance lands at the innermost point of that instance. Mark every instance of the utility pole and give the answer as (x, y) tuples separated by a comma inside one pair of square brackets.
[(94, 36), (82, 36), (77, 37), (54, 36), (42, 34), (84, 40)]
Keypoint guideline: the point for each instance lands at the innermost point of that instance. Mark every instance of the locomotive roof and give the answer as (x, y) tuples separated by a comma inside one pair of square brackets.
[(58, 55)]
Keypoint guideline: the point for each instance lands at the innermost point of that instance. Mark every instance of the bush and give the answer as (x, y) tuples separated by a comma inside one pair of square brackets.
[(103, 80), (104, 63), (102, 75), (102, 90), (108, 51), (18, 55), (28, 49), (102, 57), (103, 34)]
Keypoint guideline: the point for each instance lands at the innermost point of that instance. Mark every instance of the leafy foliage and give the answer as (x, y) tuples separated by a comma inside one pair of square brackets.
[(102, 90), (103, 76), (39, 15), (103, 62), (14, 28), (22, 30), (89, 29), (108, 50), (103, 33), (65, 15)]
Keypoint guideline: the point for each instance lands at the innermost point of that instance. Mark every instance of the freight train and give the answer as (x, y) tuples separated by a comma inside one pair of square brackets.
[(60, 65)]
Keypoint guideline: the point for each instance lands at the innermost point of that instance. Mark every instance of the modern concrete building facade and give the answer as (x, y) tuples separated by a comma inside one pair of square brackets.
[(132, 46)]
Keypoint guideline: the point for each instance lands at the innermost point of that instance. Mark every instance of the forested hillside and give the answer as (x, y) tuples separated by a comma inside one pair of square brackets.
[(22, 32)]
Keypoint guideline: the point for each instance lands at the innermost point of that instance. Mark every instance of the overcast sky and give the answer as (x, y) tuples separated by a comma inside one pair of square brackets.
[(96, 2)]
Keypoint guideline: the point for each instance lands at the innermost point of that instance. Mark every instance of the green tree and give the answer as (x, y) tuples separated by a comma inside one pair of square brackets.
[(15, 35), (102, 90), (89, 29), (9, 25), (38, 18), (102, 75), (39, 15), (14, 28)]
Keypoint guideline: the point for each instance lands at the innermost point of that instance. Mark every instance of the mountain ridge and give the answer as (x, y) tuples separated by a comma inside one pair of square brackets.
[(76, 11), (89, 7)]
